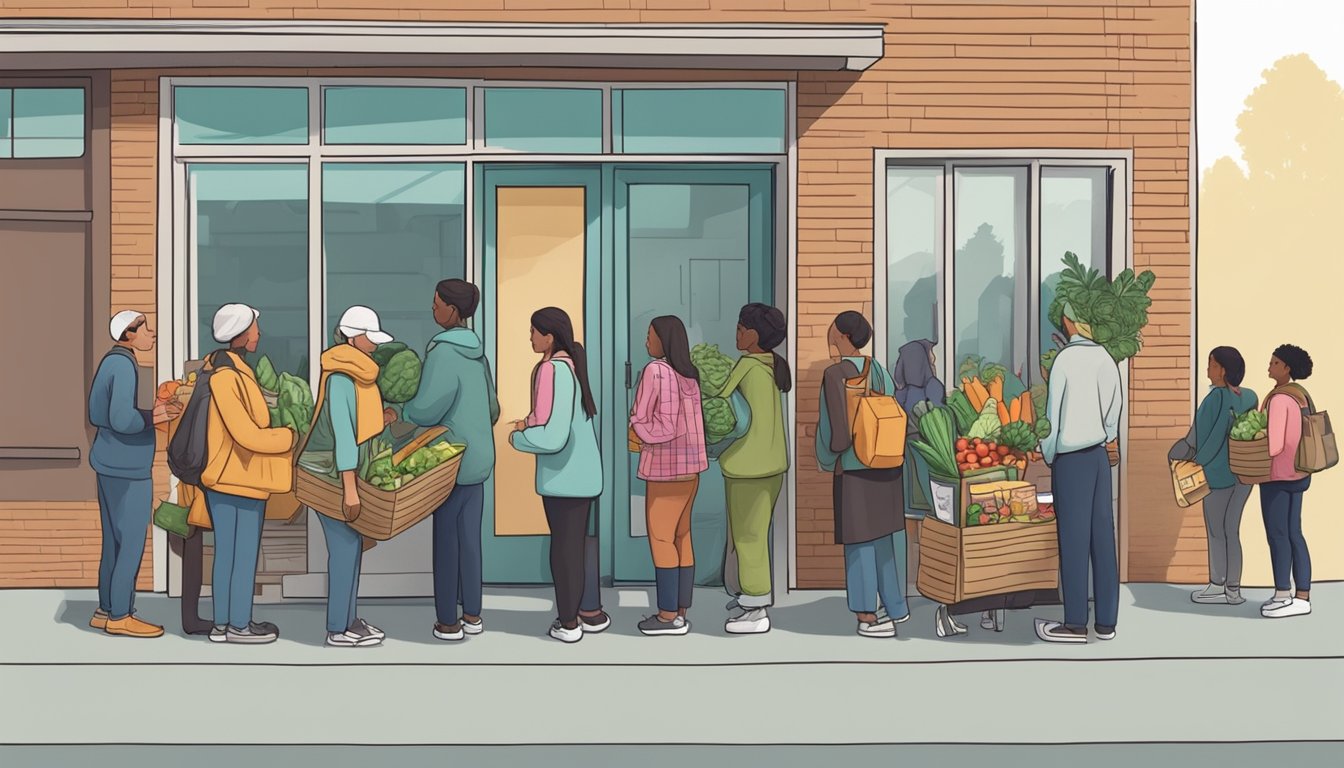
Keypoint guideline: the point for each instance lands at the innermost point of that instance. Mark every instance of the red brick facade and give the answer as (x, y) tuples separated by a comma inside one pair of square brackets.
[(1075, 74)]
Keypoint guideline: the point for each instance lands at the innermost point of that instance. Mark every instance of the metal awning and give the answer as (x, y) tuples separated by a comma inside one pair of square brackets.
[(84, 43)]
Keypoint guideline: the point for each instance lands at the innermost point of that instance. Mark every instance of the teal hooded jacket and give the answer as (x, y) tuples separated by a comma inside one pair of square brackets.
[(457, 391)]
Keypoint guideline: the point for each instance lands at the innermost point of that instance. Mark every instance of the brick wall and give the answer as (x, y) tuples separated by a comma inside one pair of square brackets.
[(1099, 74)]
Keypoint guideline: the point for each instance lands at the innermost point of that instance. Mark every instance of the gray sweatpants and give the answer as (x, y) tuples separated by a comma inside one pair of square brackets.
[(1222, 520)]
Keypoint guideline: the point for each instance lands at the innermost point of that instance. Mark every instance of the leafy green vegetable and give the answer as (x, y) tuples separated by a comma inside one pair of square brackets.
[(1116, 310), (714, 368), (963, 411), (986, 425), (266, 376), (1019, 436), (399, 379), (384, 353), (1250, 425), (973, 514), (937, 443)]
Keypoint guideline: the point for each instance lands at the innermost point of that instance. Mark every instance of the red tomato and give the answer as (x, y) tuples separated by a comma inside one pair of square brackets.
[(1003, 450), (986, 462), (982, 450), (962, 444), (984, 519), (993, 446)]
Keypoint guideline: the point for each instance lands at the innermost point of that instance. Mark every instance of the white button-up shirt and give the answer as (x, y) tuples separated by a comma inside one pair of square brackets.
[(1085, 399)]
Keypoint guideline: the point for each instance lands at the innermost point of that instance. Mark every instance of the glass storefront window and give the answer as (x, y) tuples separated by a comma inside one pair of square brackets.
[(914, 257), (390, 233), (990, 231), (1074, 207), (559, 120), (41, 122), (394, 115), (699, 120), (249, 232), (241, 115)]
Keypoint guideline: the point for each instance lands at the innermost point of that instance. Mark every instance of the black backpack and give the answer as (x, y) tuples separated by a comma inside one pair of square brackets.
[(188, 451)]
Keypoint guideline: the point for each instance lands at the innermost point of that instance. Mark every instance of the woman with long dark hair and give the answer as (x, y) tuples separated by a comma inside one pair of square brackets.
[(868, 503), (1206, 445), (670, 426), (1281, 497), (754, 465), (561, 433)]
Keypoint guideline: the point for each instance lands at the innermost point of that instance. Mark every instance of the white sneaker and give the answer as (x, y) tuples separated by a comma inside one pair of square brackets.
[(877, 629), (1294, 607), (559, 632), (348, 639), (1275, 602), (1055, 632), (369, 629), (753, 622), (446, 632), (473, 629), (1210, 595), (594, 624)]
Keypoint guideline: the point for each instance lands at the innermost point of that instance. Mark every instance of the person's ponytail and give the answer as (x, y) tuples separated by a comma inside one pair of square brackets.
[(771, 329), (579, 356)]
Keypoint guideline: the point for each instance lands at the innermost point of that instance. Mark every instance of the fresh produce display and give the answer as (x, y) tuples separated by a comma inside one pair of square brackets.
[(398, 372), (714, 367), (1115, 310), (1013, 512), (987, 424), (294, 405), (383, 474), (937, 436), (973, 453), (1251, 425)]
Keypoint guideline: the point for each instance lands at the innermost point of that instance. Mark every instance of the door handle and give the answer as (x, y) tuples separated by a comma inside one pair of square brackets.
[(628, 382)]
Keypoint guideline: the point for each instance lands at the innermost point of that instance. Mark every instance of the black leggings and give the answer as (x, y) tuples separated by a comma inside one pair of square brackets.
[(568, 520)]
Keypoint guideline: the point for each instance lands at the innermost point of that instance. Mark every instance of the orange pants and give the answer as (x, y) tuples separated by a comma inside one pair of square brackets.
[(667, 513)]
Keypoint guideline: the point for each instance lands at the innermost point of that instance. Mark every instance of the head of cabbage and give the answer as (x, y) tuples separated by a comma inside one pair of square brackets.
[(399, 377)]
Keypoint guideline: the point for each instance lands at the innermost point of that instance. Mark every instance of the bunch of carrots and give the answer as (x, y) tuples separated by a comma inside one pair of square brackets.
[(1020, 409)]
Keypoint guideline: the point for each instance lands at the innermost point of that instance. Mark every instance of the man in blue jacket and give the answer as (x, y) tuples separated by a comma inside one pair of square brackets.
[(123, 458), (457, 391)]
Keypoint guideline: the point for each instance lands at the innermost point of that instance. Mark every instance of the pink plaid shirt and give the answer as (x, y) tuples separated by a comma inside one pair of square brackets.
[(669, 423)]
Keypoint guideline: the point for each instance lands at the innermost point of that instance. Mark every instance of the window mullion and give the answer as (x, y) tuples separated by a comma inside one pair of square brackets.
[(947, 290), (1035, 267)]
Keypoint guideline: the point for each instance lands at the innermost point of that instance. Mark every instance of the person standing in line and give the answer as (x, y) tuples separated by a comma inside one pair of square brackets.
[(248, 460), (457, 391), (1281, 497), (1085, 401), (123, 459), (349, 413), (670, 426), (1206, 445), (868, 503), (562, 434), (755, 464)]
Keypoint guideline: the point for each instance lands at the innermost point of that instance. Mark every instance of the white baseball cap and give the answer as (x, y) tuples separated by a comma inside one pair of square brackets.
[(231, 320), (362, 321), (123, 320)]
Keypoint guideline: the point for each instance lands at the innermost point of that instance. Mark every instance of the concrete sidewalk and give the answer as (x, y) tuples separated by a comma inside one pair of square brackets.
[(1178, 672)]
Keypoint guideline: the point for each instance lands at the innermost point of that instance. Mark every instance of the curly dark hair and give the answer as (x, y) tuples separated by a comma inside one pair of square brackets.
[(1297, 360)]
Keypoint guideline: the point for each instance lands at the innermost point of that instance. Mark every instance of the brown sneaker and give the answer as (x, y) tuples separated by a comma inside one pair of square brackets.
[(132, 627), (99, 620)]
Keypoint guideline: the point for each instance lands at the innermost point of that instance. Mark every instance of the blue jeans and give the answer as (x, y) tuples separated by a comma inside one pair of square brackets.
[(1081, 482), (124, 508), (237, 523), (457, 553), (872, 569), (345, 554), (1281, 508)]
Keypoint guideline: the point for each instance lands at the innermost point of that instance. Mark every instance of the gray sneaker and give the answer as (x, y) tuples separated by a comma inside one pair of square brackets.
[(654, 626), (370, 629), (1212, 594), (254, 634), (355, 637), (1234, 596)]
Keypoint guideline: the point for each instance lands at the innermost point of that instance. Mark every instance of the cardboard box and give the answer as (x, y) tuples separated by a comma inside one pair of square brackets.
[(957, 564)]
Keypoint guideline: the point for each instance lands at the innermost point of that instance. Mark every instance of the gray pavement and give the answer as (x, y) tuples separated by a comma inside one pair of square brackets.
[(1177, 673)]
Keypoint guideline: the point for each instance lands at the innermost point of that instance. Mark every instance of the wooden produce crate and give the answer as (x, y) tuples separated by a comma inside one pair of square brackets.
[(1249, 460), (957, 564), (383, 514)]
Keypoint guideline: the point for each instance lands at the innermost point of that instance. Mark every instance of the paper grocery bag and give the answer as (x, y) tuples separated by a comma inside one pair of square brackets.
[(1189, 482)]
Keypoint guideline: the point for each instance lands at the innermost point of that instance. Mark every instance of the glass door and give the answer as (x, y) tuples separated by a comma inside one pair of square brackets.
[(540, 246), (697, 243)]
